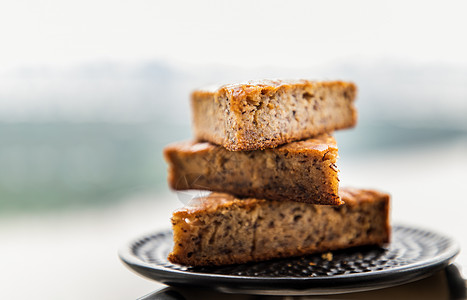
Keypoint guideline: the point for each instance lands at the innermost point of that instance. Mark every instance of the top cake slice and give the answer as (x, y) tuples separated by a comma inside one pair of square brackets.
[(265, 114)]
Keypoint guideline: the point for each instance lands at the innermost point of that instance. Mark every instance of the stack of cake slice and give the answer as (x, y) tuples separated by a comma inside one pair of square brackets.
[(266, 151)]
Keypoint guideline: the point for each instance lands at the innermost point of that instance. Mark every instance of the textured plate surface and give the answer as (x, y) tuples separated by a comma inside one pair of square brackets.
[(413, 254)]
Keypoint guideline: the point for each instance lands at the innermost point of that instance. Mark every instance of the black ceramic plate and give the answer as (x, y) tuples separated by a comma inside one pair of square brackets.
[(413, 254)]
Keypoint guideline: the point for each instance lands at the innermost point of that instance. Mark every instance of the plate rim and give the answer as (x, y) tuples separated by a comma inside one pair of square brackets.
[(375, 279)]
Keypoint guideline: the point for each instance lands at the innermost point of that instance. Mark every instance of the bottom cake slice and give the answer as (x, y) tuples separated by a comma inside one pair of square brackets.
[(220, 229)]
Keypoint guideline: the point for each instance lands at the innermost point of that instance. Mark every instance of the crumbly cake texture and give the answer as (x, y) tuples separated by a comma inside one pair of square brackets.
[(264, 114), (303, 171), (220, 229)]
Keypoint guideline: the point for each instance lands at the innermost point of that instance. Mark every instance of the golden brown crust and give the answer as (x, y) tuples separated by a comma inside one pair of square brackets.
[(267, 113), (303, 171), (212, 203), (253, 88), (220, 229), (350, 196), (317, 144)]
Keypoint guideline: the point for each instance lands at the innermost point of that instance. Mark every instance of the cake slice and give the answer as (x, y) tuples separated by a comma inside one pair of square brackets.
[(221, 229), (303, 171), (265, 114)]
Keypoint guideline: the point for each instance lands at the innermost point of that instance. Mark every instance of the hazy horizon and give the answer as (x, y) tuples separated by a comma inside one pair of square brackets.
[(93, 134)]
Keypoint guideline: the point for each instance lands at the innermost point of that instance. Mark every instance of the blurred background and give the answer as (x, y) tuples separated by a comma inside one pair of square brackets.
[(91, 91)]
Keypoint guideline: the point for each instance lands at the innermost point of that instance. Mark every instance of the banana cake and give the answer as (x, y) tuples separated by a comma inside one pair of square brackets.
[(220, 229), (268, 113), (303, 171)]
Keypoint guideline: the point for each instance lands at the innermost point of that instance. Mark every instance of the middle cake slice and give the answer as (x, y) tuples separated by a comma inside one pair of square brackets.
[(303, 171)]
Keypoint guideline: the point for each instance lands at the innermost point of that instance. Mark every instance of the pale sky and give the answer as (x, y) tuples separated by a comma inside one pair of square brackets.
[(240, 33)]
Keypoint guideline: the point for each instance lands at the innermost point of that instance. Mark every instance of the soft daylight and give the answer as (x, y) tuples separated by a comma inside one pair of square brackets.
[(211, 149)]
